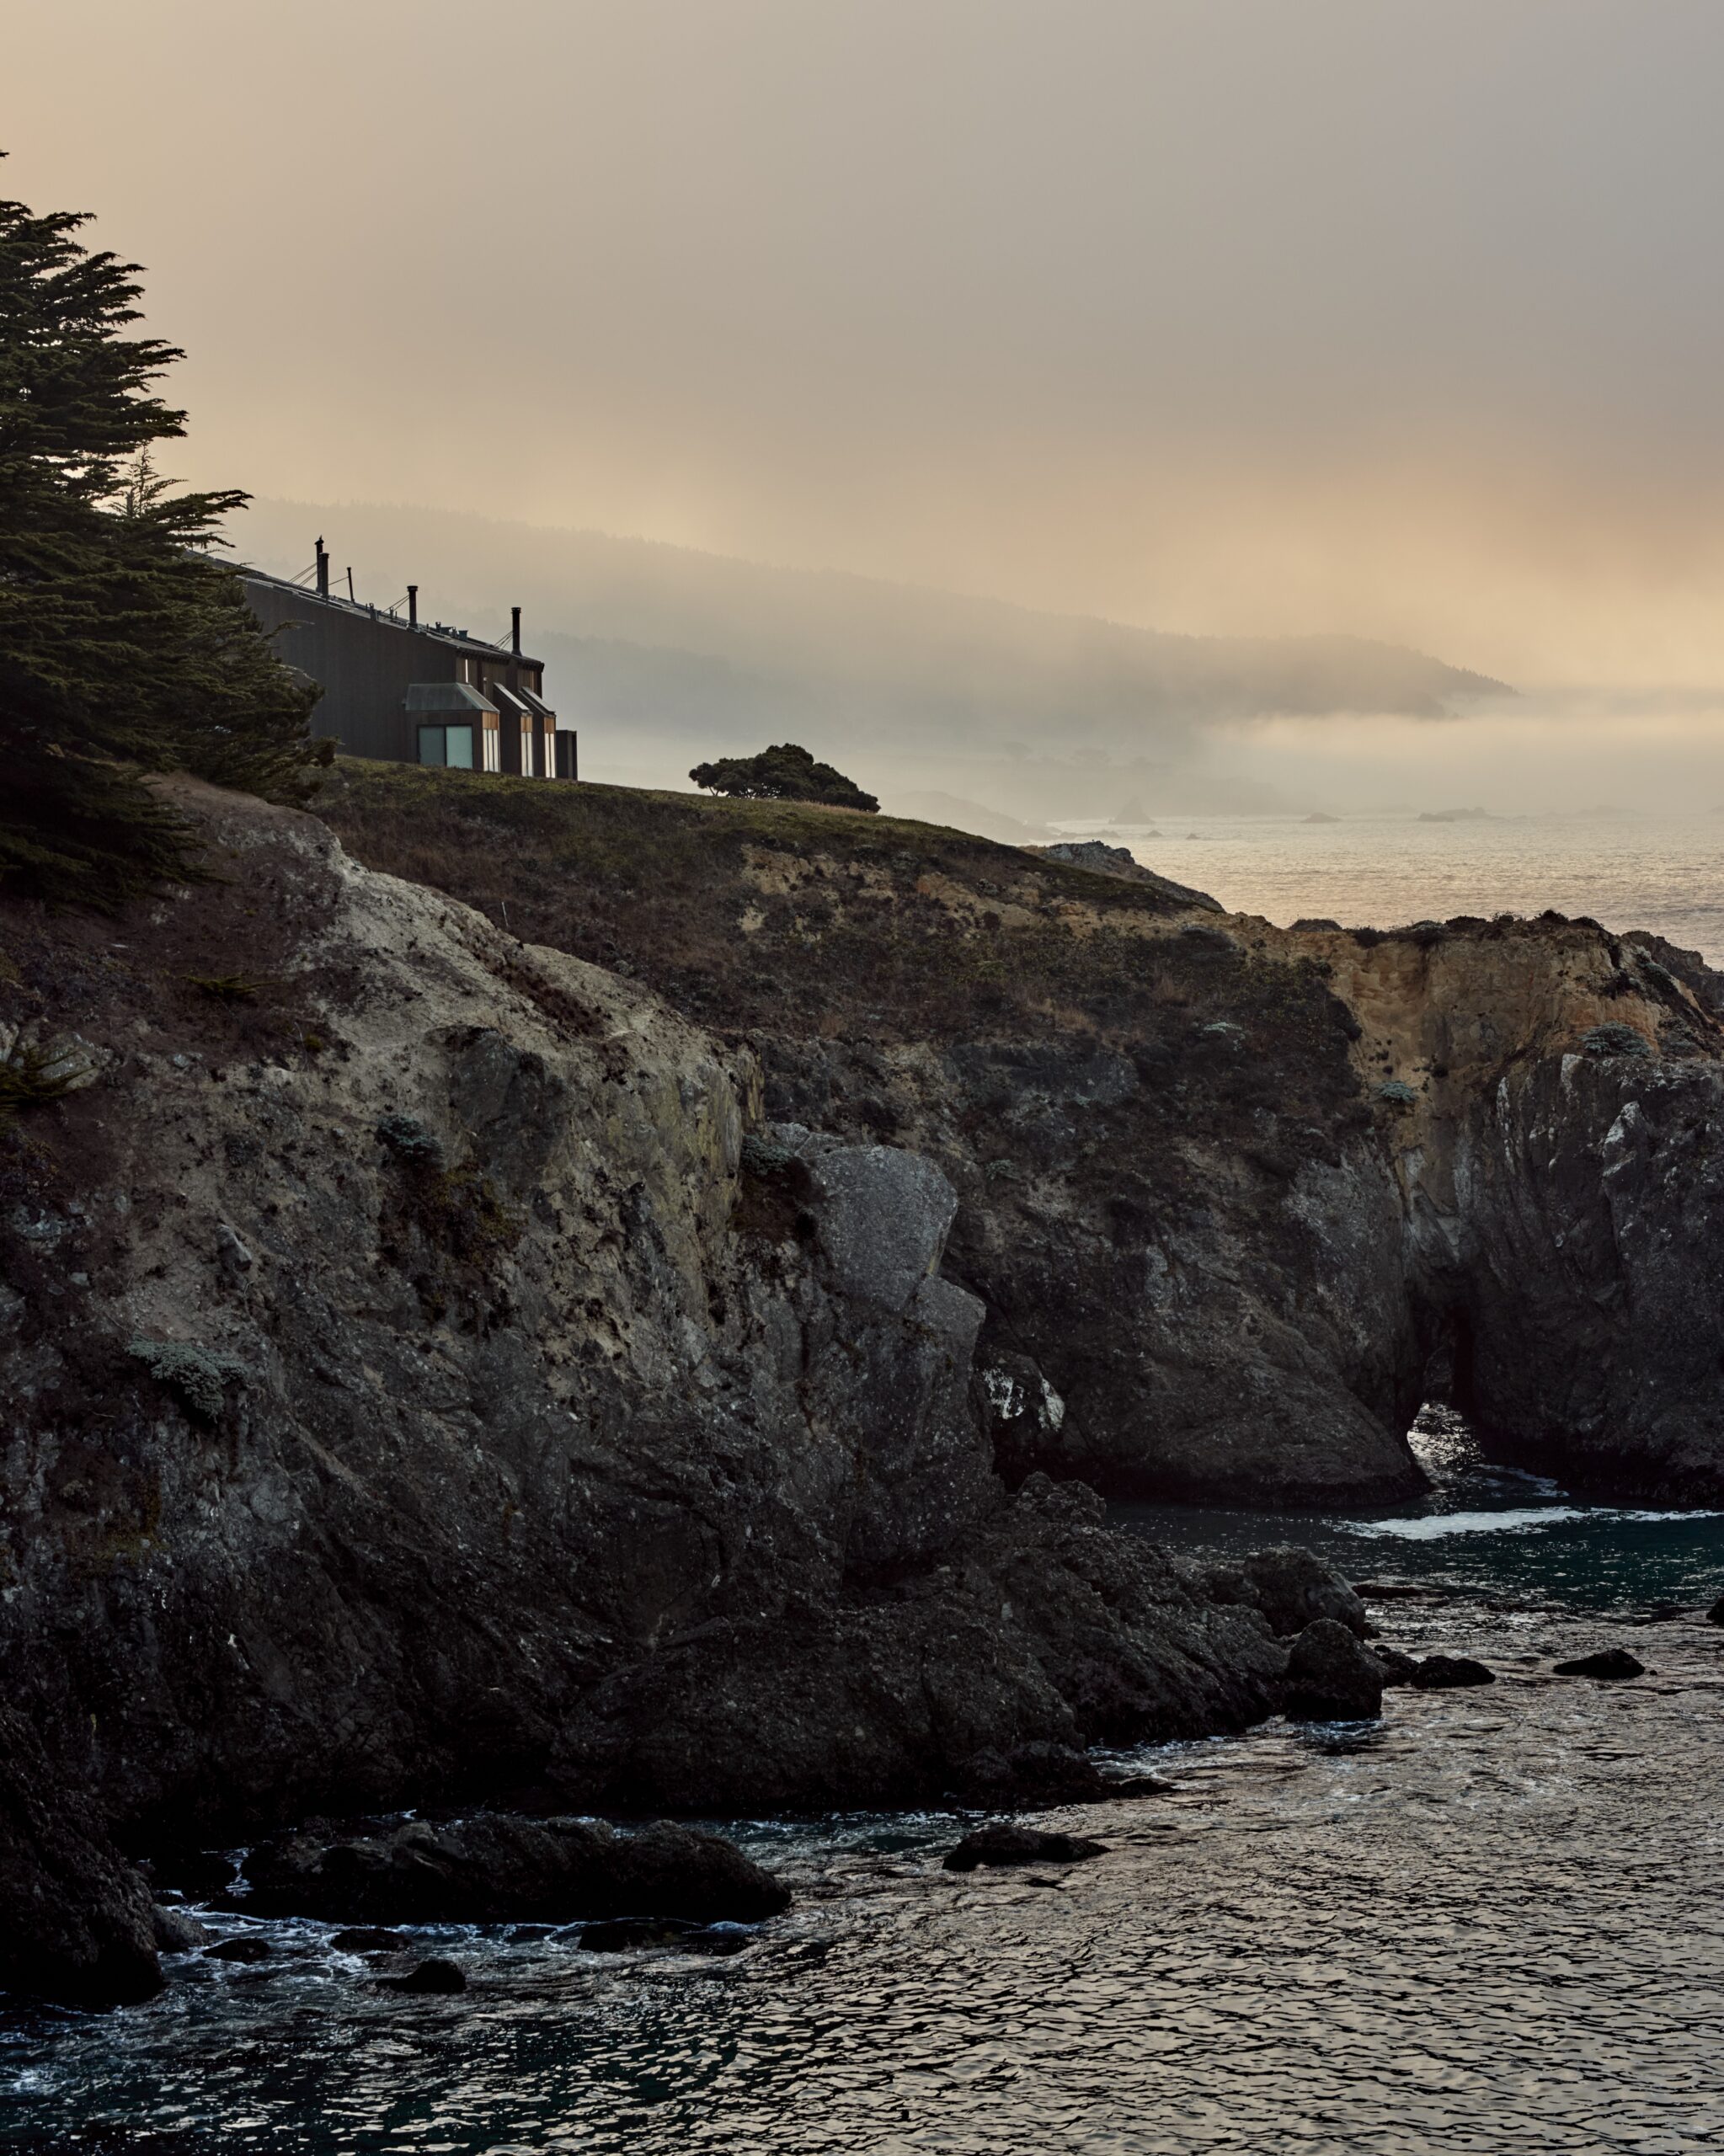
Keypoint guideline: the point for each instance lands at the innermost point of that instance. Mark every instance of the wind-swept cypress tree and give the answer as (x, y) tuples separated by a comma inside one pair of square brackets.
[(125, 647)]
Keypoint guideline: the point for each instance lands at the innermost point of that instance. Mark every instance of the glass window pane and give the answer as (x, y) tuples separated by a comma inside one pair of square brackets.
[(527, 752), (492, 742), (431, 745), (459, 747)]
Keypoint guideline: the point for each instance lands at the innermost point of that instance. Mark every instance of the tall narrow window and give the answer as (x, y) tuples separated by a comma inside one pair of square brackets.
[(493, 761), (458, 747), (527, 752)]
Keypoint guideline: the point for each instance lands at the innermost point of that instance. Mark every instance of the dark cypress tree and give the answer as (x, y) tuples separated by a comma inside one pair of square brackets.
[(125, 647), (783, 772)]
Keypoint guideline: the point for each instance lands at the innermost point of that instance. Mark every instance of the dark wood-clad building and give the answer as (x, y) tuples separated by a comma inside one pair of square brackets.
[(409, 693)]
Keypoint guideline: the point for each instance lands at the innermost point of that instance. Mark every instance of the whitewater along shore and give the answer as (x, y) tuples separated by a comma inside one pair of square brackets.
[(443, 1370)]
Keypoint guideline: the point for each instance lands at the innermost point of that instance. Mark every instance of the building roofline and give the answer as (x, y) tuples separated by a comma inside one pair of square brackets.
[(457, 640)]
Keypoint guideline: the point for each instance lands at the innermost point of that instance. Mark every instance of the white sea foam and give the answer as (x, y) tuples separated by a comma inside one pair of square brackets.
[(1434, 1526)]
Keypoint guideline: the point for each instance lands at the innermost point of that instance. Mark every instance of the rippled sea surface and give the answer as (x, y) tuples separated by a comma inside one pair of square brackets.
[(1484, 1533), (1665, 873), (1490, 1923)]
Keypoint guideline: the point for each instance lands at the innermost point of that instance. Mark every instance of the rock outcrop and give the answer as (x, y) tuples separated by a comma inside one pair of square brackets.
[(76, 1921), (1331, 1677), (493, 1869), (1291, 1588), (1119, 860), (1232, 1197), (438, 1368), (416, 1389)]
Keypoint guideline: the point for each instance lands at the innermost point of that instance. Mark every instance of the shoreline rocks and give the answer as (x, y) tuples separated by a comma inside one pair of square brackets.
[(77, 1923), (492, 1867), (602, 1460), (1008, 1844), (1611, 1662), (1331, 1677), (1447, 1673), (1291, 1588), (435, 1977)]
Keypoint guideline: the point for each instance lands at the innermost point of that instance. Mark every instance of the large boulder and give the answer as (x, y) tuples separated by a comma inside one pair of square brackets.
[(76, 1921), (1005, 1842), (1450, 1672), (884, 1216), (1291, 1588), (1331, 1677), (1609, 1662), (495, 1868)]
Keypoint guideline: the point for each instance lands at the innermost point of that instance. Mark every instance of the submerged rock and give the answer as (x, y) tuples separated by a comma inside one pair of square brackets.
[(1609, 1661), (1009, 1844), (370, 1939), (1033, 1774), (1331, 1677), (623, 1934), (246, 1948), (1444, 1672), (495, 1868)]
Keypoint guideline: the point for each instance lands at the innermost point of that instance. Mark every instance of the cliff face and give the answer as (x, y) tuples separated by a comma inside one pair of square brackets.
[(437, 1365), (1227, 1193), (415, 1386), (1559, 1176)]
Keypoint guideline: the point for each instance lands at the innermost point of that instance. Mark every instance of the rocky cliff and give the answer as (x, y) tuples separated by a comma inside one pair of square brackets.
[(1233, 1197), (425, 1380), (561, 1331)]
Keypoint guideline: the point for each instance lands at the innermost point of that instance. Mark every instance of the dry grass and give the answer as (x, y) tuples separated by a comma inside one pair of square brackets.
[(860, 929)]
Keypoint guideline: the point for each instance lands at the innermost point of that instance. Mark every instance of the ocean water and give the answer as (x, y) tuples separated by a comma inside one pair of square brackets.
[(1664, 874), (1488, 1923), (1483, 1533)]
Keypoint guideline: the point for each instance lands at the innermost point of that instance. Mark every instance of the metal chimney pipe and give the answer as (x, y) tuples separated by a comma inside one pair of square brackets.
[(412, 605), (323, 571), (515, 630)]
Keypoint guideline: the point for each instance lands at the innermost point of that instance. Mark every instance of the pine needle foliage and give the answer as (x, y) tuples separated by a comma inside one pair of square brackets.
[(125, 648)]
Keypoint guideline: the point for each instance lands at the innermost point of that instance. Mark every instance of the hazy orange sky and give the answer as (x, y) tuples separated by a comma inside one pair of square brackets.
[(1241, 315)]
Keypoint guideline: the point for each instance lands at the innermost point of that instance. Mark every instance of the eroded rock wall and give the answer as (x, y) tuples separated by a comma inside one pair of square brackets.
[(420, 1382), (1232, 1196), (1557, 1159)]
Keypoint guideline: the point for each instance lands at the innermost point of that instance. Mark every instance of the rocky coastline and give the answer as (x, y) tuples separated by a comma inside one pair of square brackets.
[(444, 1371)]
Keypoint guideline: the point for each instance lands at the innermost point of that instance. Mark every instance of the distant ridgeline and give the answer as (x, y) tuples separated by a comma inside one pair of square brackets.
[(716, 651)]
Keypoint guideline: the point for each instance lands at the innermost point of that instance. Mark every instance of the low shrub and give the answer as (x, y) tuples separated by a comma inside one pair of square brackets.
[(1615, 1040), (198, 1378)]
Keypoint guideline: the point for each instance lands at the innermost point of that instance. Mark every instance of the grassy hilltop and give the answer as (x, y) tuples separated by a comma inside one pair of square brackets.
[(785, 920)]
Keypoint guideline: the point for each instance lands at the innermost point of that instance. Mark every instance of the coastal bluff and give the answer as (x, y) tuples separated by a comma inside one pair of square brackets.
[(561, 1300), (427, 1380), (1235, 1199)]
